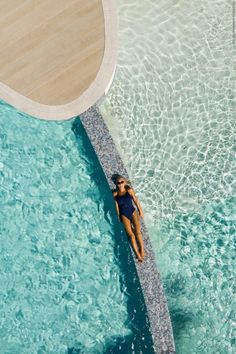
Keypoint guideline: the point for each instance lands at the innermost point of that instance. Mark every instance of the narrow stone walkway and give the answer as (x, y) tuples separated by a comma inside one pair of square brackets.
[(149, 276)]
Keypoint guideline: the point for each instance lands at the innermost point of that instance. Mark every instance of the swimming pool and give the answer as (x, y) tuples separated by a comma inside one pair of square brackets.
[(64, 282), (173, 103)]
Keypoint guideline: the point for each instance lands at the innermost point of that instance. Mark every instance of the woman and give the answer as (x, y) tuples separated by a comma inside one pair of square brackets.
[(124, 195)]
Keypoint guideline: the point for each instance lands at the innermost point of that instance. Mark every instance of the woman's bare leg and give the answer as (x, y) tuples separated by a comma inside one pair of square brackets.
[(128, 229), (137, 228)]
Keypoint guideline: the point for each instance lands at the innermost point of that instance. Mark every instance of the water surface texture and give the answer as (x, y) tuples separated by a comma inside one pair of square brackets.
[(171, 111), (64, 283)]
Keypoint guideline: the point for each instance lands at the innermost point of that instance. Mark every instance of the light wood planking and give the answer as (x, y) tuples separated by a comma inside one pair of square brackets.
[(51, 50)]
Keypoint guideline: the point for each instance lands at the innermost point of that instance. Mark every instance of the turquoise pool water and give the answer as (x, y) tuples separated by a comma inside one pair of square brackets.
[(67, 281), (199, 273), (171, 111)]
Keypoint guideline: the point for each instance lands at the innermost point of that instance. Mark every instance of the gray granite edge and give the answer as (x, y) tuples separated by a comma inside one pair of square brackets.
[(150, 280)]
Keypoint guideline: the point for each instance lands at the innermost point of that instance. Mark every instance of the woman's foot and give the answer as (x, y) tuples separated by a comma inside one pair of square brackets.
[(140, 258)]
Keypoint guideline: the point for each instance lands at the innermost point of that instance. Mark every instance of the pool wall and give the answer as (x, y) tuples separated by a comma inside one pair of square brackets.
[(150, 280)]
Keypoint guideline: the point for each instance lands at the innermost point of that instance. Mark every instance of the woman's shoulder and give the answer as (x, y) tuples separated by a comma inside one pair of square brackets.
[(129, 189), (114, 193)]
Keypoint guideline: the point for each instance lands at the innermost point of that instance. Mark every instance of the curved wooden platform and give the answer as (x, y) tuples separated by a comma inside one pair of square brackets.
[(57, 58)]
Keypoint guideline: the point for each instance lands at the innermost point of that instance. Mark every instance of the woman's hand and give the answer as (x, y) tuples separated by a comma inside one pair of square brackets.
[(141, 214)]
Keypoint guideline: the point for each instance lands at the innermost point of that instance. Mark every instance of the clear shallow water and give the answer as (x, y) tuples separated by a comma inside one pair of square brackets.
[(171, 111), (200, 282), (64, 281)]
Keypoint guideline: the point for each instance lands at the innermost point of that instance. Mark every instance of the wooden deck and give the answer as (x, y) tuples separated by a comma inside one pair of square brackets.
[(51, 50)]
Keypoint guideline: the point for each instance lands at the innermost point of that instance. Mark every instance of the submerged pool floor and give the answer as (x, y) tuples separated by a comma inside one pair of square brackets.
[(201, 282), (62, 284)]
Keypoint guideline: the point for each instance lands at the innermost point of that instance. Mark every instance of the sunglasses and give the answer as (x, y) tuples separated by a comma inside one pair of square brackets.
[(120, 182)]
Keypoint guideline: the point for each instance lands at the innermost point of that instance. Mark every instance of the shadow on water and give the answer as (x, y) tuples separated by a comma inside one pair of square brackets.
[(181, 319), (175, 286), (140, 341)]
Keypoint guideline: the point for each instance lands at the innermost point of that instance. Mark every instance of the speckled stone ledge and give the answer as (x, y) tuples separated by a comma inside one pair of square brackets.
[(149, 276)]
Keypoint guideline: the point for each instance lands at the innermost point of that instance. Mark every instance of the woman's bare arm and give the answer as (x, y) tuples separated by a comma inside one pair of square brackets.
[(117, 207), (135, 199)]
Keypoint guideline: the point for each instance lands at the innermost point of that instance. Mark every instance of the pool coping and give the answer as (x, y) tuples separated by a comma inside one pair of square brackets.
[(96, 90), (149, 276)]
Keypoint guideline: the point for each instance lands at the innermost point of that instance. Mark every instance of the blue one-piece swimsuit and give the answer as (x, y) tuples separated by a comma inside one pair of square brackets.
[(125, 205)]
